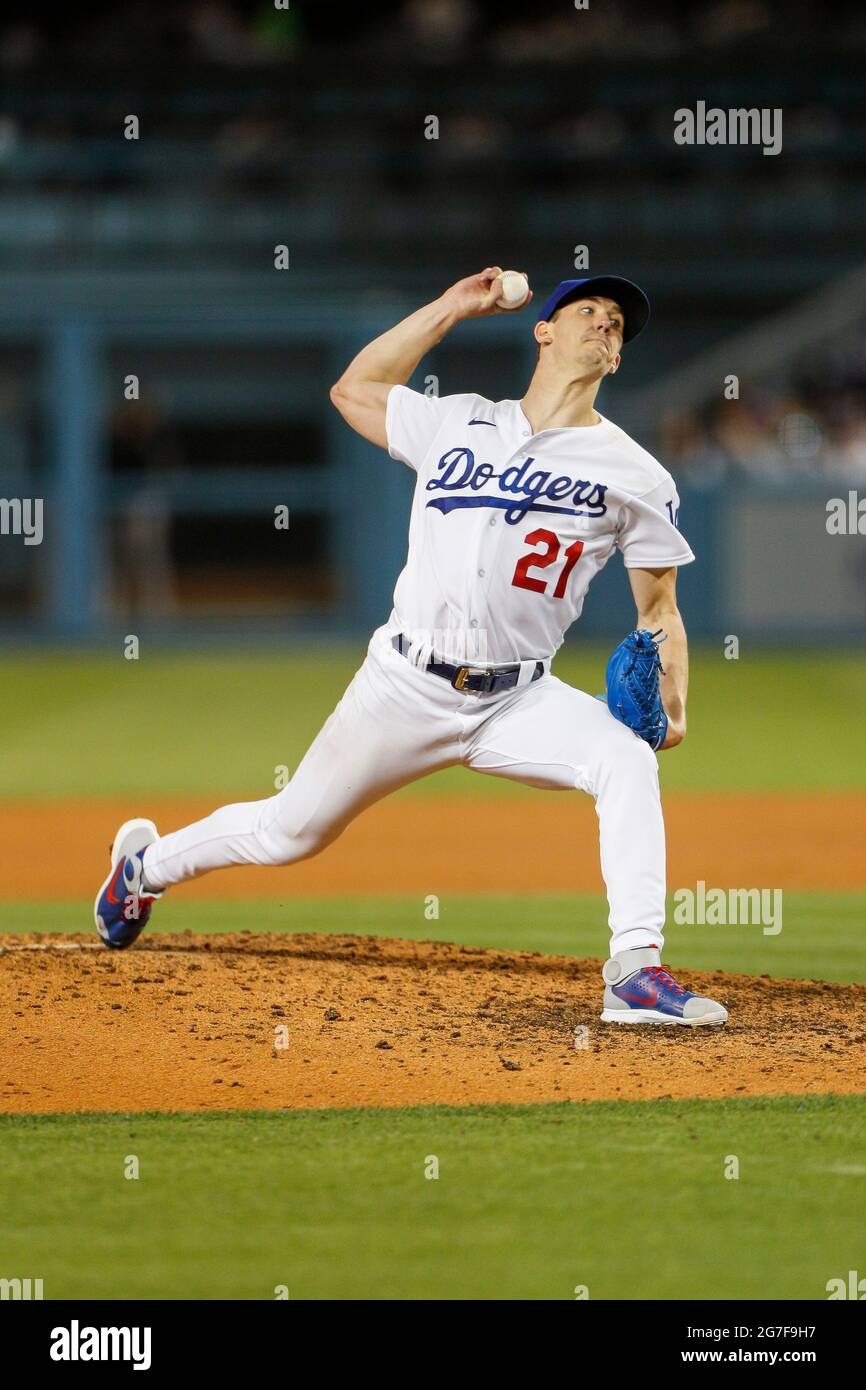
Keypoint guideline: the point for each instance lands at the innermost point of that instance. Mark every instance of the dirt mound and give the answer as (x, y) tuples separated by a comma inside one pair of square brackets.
[(192, 1022)]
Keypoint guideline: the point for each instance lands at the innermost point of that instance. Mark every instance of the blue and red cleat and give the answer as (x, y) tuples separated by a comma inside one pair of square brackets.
[(123, 904), (638, 989)]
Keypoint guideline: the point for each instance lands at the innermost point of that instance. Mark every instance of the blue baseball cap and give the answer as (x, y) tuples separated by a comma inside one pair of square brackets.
[(628, 296)]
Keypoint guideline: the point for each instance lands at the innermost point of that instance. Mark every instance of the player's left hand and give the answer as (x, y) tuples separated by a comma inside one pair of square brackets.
[(632, 689)]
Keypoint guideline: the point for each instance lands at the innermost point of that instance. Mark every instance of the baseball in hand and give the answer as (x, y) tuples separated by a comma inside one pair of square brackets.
[(514, 289)]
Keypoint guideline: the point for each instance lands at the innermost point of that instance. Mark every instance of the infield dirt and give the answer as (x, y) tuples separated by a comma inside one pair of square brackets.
[(191, 1022), (450, 844)]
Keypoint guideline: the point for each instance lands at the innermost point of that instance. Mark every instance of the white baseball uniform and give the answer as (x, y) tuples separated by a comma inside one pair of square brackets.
[(507, 530)]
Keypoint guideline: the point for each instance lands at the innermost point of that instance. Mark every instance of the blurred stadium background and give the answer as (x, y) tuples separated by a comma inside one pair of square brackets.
[(305, 127)]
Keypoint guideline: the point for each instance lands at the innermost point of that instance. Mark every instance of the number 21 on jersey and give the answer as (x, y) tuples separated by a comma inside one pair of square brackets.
[(539, 560)]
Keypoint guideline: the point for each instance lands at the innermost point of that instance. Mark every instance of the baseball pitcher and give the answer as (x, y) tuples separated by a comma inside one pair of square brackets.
[(517, 504)]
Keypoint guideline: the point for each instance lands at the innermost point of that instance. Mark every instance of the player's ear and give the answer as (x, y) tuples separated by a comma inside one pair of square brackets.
[(541, 333)]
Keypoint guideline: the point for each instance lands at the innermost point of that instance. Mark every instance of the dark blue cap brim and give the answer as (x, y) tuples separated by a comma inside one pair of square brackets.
[(629, 297)]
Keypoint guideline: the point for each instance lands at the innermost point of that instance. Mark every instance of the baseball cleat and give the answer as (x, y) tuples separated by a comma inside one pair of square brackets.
[(123, 905), (638, 989)]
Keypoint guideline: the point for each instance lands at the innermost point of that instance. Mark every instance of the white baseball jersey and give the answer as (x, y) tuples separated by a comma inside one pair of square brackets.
[(508, 527)]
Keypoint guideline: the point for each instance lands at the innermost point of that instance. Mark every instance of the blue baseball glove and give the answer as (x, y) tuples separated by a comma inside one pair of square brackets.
[(632, 681)]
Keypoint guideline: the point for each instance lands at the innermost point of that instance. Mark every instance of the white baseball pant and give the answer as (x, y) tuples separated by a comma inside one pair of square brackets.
[(396, 723)]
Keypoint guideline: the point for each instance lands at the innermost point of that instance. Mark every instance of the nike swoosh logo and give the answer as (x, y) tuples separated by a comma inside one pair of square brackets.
[(646, 1000), (483, 422), (109, 892)]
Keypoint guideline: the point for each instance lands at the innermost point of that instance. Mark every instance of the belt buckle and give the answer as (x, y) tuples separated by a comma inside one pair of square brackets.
[(461, 678), (463, 674)]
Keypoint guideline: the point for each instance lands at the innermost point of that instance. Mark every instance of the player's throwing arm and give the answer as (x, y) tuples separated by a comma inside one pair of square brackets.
[(361, 394)]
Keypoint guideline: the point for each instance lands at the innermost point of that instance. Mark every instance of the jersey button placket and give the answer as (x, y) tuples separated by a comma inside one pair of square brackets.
[(515, 458), (478, 598), (482, 568)]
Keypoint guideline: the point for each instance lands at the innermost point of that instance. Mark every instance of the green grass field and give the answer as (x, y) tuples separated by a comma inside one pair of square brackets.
[(74, 725), (528, 1204), (628, 1199), (821, 936)]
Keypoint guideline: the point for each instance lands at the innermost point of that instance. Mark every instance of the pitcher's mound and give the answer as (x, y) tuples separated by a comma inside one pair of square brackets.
[(189, 1022)]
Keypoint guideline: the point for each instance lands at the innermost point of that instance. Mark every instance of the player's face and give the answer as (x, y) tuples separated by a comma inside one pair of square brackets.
[(589, 332)]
